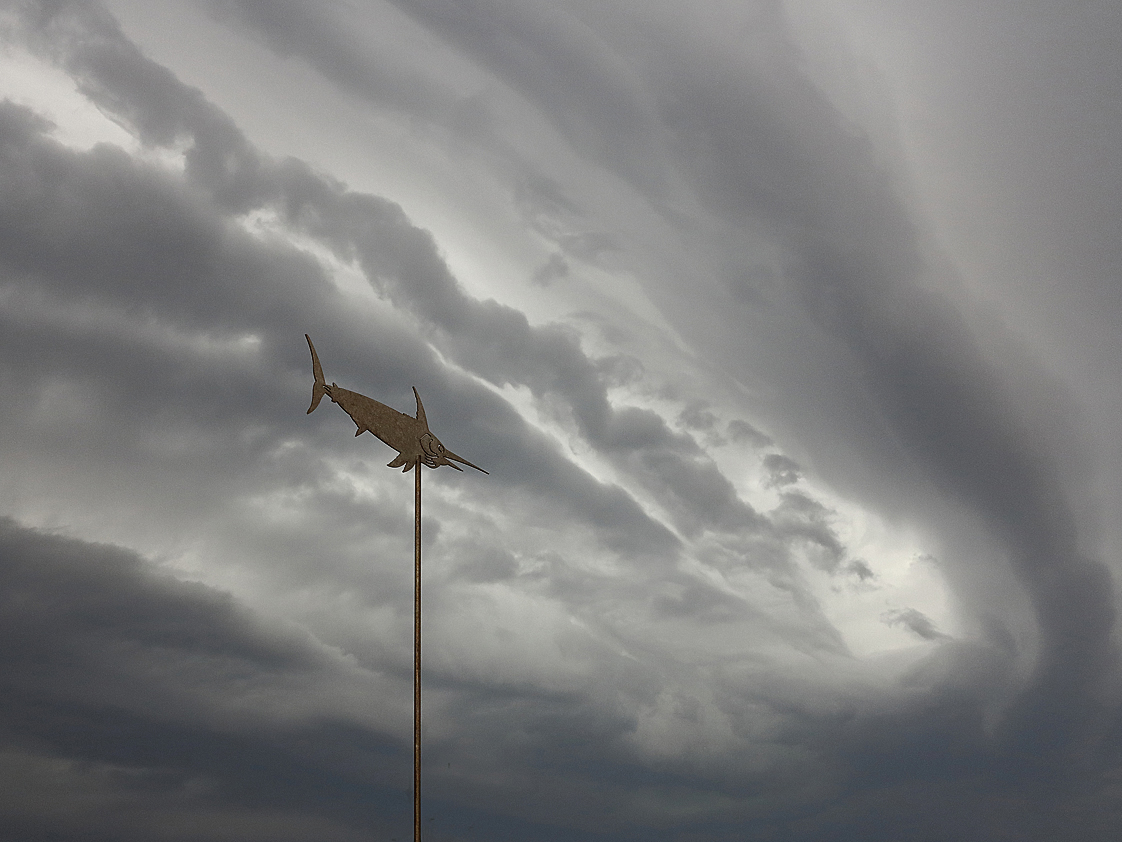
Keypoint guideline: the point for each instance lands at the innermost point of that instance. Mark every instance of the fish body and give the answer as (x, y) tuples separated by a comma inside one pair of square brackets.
[(410, 437)]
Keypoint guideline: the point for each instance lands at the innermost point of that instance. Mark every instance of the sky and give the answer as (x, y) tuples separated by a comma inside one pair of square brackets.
[(786, 330)]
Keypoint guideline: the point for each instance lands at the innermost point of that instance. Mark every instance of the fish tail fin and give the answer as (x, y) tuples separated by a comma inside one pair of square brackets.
[(319, 387)]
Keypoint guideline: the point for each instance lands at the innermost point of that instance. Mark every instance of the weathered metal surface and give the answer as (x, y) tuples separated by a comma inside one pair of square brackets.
[(410, 437)]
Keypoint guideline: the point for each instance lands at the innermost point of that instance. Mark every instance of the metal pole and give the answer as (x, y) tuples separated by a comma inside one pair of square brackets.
[(417, 657), (413, 441)]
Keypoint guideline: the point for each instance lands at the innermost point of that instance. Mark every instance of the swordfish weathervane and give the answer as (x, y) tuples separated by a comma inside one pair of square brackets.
[(415, 445), (410, 437)]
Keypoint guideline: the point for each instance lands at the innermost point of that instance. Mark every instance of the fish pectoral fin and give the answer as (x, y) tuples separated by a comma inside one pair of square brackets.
[(359, 431), (398, 461)]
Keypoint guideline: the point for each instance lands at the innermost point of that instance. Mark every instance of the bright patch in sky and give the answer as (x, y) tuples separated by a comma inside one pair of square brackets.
[(52, 93)]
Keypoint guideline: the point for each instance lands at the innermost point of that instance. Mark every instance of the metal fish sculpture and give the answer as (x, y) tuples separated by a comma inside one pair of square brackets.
[(410, 437)]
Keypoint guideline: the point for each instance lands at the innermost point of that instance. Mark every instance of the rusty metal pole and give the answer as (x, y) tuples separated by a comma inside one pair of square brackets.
[(417, 657)]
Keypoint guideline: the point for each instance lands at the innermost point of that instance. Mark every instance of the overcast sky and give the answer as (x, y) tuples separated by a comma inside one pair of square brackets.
[(788, 331)]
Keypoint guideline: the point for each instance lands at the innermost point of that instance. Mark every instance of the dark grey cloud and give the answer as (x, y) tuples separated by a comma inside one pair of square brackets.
[(323, 36), (799, 516), (496, 341), (493, 340), (162, 251), (123, 685), (914, 621), (778, 152), (948, 405), (601, 107), (551, 270), (741, 430), (782, 470), (605, 649), (182, 714)]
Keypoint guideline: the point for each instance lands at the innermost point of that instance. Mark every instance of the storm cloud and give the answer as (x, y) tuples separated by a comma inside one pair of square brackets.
[(797, 521)]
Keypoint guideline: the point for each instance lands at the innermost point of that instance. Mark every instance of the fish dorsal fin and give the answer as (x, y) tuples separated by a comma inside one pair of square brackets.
[(420, 410)]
